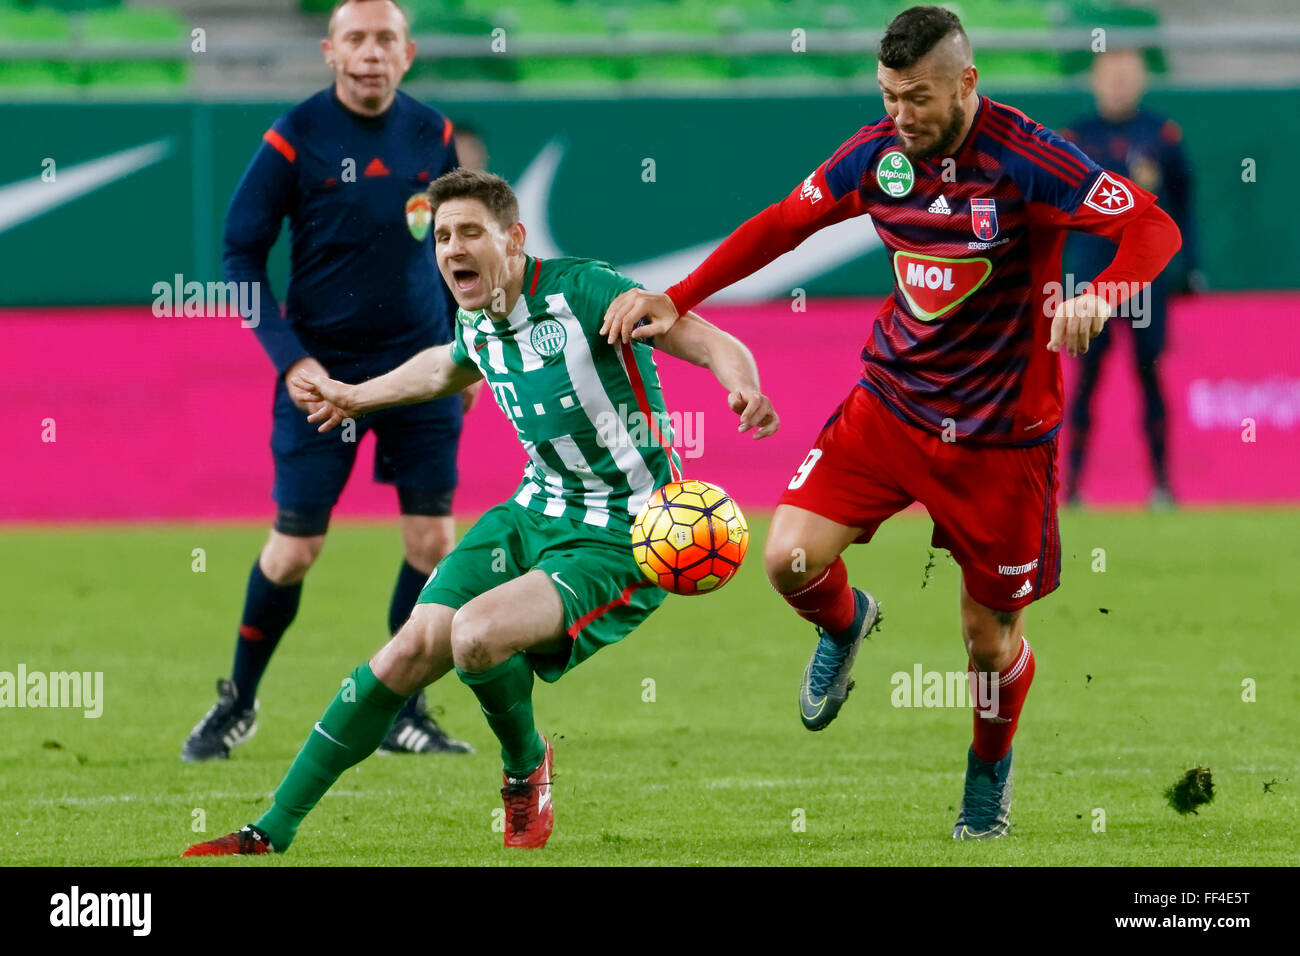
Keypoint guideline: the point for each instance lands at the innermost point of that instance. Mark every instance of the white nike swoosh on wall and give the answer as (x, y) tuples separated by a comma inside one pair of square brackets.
[(828, 249), (26, 199)]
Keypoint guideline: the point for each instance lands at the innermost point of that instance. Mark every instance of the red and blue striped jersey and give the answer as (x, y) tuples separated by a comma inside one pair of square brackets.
[(975, 243)]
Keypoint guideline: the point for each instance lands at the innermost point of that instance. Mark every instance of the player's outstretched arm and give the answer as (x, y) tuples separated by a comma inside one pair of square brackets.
[(427, 375), (700, 342)]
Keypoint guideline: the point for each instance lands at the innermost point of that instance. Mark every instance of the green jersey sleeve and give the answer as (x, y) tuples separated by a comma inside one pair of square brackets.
[(459, 352), (595, 285)]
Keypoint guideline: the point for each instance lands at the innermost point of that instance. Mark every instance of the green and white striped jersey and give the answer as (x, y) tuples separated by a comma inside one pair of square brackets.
[(589, 414)]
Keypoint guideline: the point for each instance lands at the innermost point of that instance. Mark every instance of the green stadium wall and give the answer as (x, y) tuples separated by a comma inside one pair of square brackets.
[(716, 162)]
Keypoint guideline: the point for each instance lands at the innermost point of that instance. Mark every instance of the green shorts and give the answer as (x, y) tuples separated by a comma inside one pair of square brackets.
[(604, 593)]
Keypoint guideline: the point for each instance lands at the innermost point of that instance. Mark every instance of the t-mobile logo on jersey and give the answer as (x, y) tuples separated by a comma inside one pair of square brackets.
[(505, 394)]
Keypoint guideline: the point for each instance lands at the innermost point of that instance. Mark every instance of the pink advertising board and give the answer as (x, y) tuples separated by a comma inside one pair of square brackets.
[(169, 418)]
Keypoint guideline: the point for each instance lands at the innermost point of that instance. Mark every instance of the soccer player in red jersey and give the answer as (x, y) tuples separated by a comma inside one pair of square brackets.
[(960, 397)]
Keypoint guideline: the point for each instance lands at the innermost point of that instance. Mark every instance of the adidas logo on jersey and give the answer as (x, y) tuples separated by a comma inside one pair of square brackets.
[(1025, 588), (940, 207)]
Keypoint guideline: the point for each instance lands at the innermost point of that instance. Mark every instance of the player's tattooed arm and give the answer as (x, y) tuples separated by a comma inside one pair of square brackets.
[(428, 375), (624, 316), (700, 342)]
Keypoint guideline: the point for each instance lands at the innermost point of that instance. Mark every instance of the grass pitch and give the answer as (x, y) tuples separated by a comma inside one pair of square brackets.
[(1141, 674)]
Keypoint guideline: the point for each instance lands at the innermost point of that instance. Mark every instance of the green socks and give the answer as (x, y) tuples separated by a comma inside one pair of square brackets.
[(359, 717), (353, 726), (505, 693)]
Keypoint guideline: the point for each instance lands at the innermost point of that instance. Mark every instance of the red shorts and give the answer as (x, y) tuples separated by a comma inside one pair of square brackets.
[(993, 507)]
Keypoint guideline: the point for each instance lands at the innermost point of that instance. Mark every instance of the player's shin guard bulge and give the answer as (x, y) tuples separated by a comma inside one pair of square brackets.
[(997, 700), (505, 693), (826, 600)]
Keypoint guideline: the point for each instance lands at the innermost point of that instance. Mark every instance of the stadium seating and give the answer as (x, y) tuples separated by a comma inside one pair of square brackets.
[(92, 24), (706, 60), (21, 27), (719, 21), (109, 27)]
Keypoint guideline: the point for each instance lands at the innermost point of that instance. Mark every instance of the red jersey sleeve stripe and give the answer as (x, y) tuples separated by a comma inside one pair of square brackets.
[(446, 132), (1039, 161), (281, 145), (1047, 150)]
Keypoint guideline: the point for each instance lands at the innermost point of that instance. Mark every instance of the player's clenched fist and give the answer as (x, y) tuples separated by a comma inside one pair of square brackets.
[(1077, 322), (630, 308), (755, 411)]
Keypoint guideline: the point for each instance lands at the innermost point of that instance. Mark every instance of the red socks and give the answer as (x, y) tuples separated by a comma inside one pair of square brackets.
[(827, 600), (993, 733)]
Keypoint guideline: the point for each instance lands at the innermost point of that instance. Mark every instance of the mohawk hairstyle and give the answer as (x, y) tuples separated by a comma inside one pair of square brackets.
[(914, 33)]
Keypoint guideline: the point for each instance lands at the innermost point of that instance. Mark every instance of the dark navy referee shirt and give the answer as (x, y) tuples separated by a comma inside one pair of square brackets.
[(364, 295)]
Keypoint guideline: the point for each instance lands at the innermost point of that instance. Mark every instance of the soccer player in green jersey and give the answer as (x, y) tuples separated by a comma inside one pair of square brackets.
[(544, 580)]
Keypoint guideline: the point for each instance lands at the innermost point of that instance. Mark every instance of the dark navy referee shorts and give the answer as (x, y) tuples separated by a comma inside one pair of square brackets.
[(415, 449)]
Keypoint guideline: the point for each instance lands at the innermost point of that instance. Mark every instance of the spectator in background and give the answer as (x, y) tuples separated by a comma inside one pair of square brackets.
[(470, 147), (1147, 148)]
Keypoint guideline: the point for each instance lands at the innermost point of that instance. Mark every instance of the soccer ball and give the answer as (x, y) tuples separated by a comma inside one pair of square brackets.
[(689, 537)]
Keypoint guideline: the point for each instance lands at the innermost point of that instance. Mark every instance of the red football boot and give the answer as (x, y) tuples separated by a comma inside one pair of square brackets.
[(530, 816), (247, 841)]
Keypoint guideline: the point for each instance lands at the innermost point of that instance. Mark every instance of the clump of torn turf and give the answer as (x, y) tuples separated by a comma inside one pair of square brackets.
[(1195, 788)]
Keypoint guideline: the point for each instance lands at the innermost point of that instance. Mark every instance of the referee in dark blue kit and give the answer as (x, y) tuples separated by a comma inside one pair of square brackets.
[(1148, 149), (364, 296)]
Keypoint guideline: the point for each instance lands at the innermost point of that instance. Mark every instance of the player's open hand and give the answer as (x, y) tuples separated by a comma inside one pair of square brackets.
[(306, 369), (1077, 322), (755, 411), (627, 310), (330, 402)]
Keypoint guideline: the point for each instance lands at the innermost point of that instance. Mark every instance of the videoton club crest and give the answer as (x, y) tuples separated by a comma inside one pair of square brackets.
[(984, 218), (418, 215), (548, 338)]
